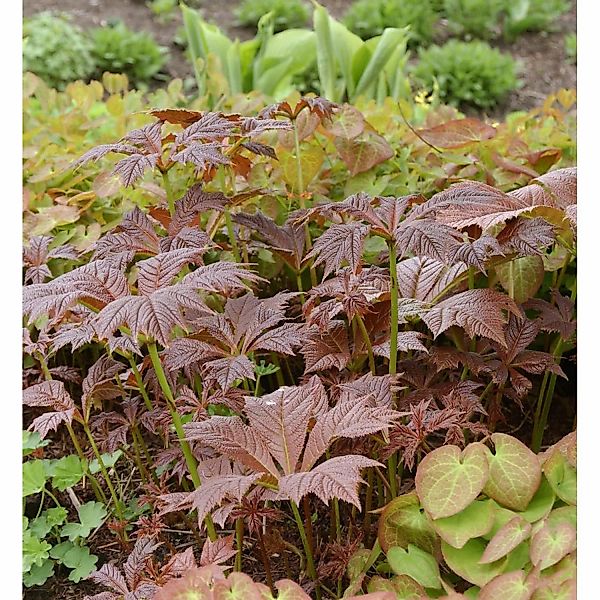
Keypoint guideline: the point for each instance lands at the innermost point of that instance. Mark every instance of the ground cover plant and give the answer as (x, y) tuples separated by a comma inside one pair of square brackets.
[(299, 355)]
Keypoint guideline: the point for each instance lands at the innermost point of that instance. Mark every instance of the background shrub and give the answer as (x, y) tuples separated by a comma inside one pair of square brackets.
[(476, 18), (287, 13), (119, 50), (571, 47), (532, 15), (56, 50), (368, 18), (467, 73)]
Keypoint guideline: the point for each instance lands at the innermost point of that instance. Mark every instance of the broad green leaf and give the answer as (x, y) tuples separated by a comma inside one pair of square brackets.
[(34, 477), (507, 539), (35, 551), (563, 514), (325, 53), (80, 560), (522, 277), (405, 587), (91, 515), (465, 562), (363, 152), (564, 570), (32, 441), (299, 177), (68, 472), (109, 460), (474, 521), (552, 543), (564, 591), (541, 504), (42, 525), (38, 574), (347, 123), (514, 472), (404, 522), (519, 558), (448, 480), (562, 477), (510, 586), (416, 563)]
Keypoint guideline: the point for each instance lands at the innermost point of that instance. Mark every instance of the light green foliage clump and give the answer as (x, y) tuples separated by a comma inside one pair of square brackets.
[(571, 47), (119, 50), (287, 13), (476, 18), (56, 50), (368, 18), (532, 15), (469, 73)]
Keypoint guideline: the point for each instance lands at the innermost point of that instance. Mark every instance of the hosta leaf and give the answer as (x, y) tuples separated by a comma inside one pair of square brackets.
[(551, 543), (506, 539), (403, 522), (474, 521), (416, 563), (403, 586), (479, 312), (457, 133), (514, 472), (516, 585), (448, 480), (522, 277), (466, 562)]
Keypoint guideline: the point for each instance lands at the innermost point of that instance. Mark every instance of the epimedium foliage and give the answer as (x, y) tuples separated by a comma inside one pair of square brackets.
[(396, 329)]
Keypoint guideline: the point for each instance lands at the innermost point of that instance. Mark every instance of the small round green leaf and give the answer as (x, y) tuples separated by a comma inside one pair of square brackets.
[(563, 514), (474, 521), (509, 586), (404, 522), (416, 563), (514, 475), (506, 540), (465, 562), (448, 480), (541, 504), (34, 477), (564, 591), (562, 477), (551, 543)]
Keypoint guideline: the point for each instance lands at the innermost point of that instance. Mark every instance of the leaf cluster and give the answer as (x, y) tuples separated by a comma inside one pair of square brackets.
[(287, 14)]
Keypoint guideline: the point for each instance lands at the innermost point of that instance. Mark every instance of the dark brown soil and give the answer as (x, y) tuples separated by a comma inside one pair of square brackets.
[(542, 58)]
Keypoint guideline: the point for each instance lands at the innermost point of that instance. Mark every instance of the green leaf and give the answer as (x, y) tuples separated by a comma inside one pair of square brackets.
[(416, 563), (552, 543), (68, 472), (32, 441), (34, 477), (465, 562), (311, 160), (514, 475), (91, 515), (405, 587), (38, 574), (80, 560), (507, 539), (35, 550), (509, 586), (448, 480), (541, 504), (474, 521), (563, 514), (404, 522), (521, 277), (109, 460), (50, 518), (562, 477), (363, 152)]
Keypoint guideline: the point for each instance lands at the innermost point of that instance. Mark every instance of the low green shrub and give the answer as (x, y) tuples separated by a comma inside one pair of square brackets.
[(56, 50), (119, 50), (470, 73), (368, 18), (571, 47), (287, 13), (532, 15), (476, 18)]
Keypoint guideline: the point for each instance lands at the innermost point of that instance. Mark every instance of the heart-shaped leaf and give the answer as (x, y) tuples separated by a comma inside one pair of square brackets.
[(448, 480), (474, 521), (541, 504), (404, 522), (562, 477), (507, 539), (416, 563), (509, 586), (552, 543), (514, 472), (465, 562), (403, 586)]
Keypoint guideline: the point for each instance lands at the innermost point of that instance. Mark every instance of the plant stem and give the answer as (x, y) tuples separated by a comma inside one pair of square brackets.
[(169, 191), (265, 560), (185, 447), (108, 480), (310, 564), (231, 234), (239, 540), (140, 383), (366, 339)]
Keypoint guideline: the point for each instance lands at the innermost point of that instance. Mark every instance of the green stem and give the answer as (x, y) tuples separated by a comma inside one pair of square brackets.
[(185, 447), (169, 191), (231, 234), (239, 540), (140, 383), (265, 560), (310, 564), (365, 336), (108, 480), (393, 459)]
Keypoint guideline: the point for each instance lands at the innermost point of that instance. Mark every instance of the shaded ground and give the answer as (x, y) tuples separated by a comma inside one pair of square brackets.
[(544, 68)]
